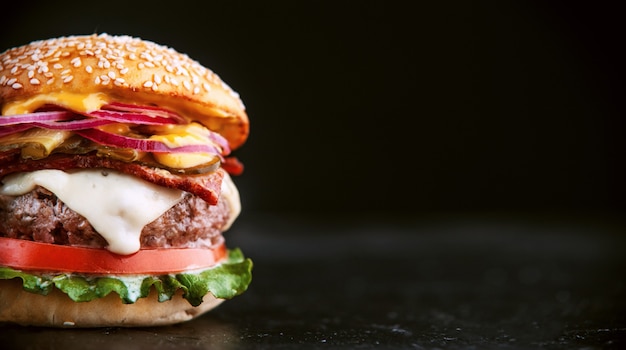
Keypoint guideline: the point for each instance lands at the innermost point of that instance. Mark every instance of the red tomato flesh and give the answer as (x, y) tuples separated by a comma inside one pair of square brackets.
[(27, 255)]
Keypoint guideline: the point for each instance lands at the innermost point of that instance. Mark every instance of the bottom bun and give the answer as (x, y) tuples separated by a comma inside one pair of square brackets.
[(56, 309)]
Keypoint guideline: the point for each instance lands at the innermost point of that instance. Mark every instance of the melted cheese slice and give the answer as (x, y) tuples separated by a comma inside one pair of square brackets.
[(117, 205), (230, 193), (72, 101)]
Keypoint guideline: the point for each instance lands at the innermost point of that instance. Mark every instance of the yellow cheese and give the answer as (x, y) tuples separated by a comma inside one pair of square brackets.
[(181, 135), (71, 101)]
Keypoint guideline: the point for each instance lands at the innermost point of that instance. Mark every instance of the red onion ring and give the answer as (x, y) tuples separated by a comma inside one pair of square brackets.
[(150, 111), (146, 145), (134, 118), (73, 125), (51, 116), (12, 129)]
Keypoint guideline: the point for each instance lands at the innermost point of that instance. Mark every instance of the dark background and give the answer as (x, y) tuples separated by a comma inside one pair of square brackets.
[(418, 174), (401, 107)]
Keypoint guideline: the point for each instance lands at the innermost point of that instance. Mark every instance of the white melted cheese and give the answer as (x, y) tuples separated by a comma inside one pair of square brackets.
[(231, 195), (117, 205)]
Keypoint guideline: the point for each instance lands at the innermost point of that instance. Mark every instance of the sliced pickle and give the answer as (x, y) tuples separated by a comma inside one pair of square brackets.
[(123, 154), (35, 143), (198, 169), (204, 168), (76, 145)]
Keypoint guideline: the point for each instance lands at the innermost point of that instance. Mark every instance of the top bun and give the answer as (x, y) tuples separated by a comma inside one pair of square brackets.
[(128, 70)]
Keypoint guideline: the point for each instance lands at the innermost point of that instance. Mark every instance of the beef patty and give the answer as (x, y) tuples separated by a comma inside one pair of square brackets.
[(42, 217)]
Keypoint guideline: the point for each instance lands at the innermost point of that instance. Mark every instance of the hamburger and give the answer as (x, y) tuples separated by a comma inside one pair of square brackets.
[(116, 184)]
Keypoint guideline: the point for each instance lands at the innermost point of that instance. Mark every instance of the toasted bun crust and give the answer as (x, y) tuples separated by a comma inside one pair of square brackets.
[(130, 69), (57, 310)]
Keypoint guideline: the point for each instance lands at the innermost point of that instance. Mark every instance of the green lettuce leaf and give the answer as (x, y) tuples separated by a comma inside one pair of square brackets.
[(224, 281)]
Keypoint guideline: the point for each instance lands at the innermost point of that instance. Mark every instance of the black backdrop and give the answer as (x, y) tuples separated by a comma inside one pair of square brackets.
[(396, 107)]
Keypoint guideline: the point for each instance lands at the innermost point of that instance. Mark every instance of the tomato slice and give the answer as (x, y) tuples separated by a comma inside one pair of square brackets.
[(27, 255)]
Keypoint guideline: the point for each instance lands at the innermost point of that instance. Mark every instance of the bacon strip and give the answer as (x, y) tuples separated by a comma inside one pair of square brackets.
[(206, 186)]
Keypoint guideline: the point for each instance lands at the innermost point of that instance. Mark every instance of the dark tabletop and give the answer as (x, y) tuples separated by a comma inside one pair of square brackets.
[(449, 282)]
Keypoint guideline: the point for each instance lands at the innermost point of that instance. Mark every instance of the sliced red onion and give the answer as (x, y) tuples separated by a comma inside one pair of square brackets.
[(221, 141), (134, 118), (50, 116), (150, 111), (12, 129), (73, 125), (110, 113), (146, 145)]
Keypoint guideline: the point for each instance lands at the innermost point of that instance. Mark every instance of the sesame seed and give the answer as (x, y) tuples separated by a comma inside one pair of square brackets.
[(124, 70), (148, 84), (16, 86), (181, 71), (11, 81), (35, 81), (14, 70), (157, 79), (50, 81), (196, 90), (141, 66), (76, 62), (89, 69), (66, 72), (111, 75), (97, 81), (67, 79), (31, 73), (57, 66), (187, 85)]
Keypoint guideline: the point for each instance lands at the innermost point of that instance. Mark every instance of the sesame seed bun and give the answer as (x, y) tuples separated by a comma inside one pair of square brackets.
[(129, 70)]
